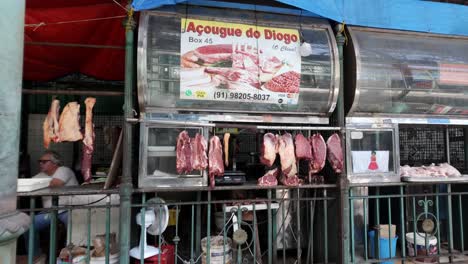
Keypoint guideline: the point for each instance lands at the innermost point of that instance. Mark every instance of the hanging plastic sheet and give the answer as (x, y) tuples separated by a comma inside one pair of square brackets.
[(413, 15)]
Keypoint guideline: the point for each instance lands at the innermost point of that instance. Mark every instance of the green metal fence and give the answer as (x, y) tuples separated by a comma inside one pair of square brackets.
[(248, 224), (251, 225), (429, 220)]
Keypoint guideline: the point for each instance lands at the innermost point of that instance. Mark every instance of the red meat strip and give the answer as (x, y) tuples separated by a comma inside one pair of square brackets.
[(215, 159), (303, 149), (199, 148), (319, 153), (269, 179), (335, 153), (290, 181), (269, 149), (88, 140), (51, 125), (287, 155), (183, 153)]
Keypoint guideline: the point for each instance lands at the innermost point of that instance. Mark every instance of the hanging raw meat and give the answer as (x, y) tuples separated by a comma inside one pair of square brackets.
[(290, 181), (319, 153), (69, 123), (270, 178), (183, 153), (269, 149), (287, 155), (88, 140), (335, 153), (226, 149), (215, 160), (303, 149), (50, 126), (199, 157)]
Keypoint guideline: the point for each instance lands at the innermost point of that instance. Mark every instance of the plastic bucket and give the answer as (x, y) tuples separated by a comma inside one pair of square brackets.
[(220, 252), (384, 250), (421, 247)]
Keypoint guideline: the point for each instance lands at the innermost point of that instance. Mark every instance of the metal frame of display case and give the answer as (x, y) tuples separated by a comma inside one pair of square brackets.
[(318, 118), (361, 117), (373, 177)]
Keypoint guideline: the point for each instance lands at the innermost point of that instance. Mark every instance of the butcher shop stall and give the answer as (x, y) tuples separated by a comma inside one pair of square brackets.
[(236, 137), (406, 145)]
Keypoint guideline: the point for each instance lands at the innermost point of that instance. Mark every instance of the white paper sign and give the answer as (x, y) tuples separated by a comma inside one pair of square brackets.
[(223, 61), (370, 161)]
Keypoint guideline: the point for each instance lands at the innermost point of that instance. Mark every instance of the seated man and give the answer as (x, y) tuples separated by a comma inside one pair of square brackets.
[(51, 166)]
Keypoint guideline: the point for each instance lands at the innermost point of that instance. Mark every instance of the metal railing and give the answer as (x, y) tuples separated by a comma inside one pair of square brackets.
[(246, 224), (428, 219), (62, 218), (280, 225)]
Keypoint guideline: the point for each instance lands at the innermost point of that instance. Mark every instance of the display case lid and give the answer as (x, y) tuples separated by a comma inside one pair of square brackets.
[(406, 75), (195, 59)]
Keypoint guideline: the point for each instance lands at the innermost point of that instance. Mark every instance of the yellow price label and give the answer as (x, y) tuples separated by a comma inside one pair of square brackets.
[(200, 94)]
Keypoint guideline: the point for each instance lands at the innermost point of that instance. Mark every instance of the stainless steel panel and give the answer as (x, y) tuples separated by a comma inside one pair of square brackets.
[(159, 63), (375, 140), (403, 73), (157, 166)]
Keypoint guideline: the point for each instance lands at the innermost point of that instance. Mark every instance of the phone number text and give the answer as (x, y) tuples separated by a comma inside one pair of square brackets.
[(241, 96)]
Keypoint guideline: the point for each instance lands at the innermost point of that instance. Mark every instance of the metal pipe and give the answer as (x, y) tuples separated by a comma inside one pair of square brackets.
[(73, 45), (169, 122), (126, 186), (298, 128), (191, 234), (208, 228), (325, 224), (239, 224), (402, 222), (88, 244), (449, 220), (438, 217), (32, 231), (298, 216), (351, 220), (340, 41), (198, 225), (53, 231), (364, 201), (108, 224), (72, 92), (270, 235), (225, 232), (225, 125), (176, 237), (465, 137), (447, 144)]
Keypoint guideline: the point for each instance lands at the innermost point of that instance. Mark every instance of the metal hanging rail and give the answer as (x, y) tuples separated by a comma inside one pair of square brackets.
[(73, 92)]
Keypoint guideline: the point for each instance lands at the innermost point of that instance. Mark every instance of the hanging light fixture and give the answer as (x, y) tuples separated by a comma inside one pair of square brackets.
[(305, 49)]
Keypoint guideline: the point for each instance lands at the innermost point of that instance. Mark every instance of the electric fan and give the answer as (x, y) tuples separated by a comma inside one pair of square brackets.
[(156, 220)]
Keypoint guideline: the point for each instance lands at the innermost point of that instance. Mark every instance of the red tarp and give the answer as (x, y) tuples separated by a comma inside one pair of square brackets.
[(45, 62)]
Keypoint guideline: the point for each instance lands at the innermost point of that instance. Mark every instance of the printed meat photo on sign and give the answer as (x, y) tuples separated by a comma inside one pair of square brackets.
[(223, 62)]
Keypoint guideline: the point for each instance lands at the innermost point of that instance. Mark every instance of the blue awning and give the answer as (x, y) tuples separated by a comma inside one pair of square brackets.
[(413, 15)]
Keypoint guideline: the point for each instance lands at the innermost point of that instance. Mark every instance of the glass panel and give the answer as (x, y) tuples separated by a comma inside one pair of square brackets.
[(163, 64), (372, 151), (411, 74), (168, 136), (161, 150)]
